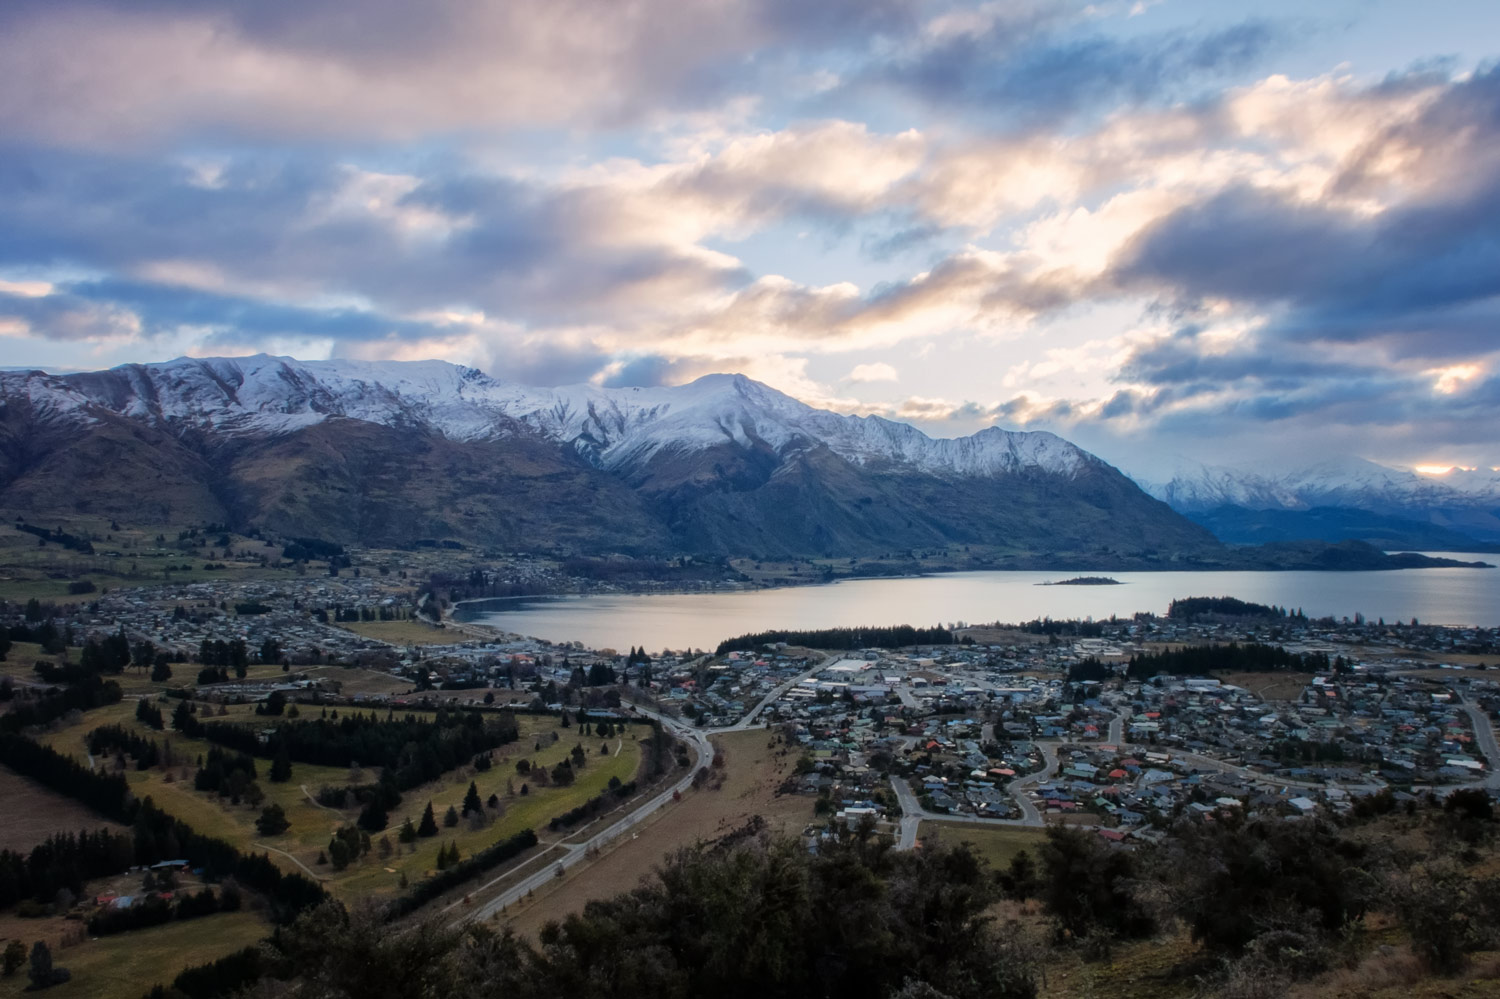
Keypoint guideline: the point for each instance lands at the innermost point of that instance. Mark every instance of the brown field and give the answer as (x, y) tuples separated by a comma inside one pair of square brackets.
[(127, 965), (1270, 686), (752, 773), (32, 813), (997, 844), (405, 632)]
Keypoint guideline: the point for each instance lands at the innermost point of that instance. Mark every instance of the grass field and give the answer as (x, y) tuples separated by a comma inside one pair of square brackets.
[(312, 824), (32, 813), (409, 632), (127, 965), (374, 876), (751, 774), (1270, 686), (997, 844)]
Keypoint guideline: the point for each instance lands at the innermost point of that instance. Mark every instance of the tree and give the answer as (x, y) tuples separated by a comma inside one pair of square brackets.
[(408, 833), (373, 817), (15, 956), (339, 853), (281, 767), (161, 671), (182, 717), (450, 817), (272, 821), (471, 800), (42, 973), (1086, 886), (428, 826)]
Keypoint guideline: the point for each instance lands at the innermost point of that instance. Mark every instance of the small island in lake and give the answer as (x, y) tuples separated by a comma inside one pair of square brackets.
[(1083, 581)]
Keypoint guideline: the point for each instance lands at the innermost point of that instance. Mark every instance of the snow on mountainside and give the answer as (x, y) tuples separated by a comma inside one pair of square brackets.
[(612, 428), (1343, 482)]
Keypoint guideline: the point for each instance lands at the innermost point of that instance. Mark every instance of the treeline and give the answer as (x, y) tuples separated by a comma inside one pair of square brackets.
[(59, 537), (155, 911), (63, 860), (1089, 670), (478, 584), (414, 750), (430, 888), (1189, 608), (895, 637), (1047, 626), (223, 977), (115, 739), (92, 691), (1200, 660), (157, 836), (307, 549), (595, 806), (757, 920)]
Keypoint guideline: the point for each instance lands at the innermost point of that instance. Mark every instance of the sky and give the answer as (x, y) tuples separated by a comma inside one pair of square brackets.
[(1240, 233)]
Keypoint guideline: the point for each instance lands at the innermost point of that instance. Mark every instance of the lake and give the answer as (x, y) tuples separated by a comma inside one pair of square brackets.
[(702, 620)]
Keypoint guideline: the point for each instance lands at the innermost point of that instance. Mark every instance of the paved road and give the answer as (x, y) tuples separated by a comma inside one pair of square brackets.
[(1116, 729), (913, 814), (749, 720), (576, 852), (1484, 734)]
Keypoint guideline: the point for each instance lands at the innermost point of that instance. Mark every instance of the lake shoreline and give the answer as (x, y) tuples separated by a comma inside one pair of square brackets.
[(790, 583), (623, 619)]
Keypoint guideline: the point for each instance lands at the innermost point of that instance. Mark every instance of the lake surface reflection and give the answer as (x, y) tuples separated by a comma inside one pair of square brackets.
[(702, 620)]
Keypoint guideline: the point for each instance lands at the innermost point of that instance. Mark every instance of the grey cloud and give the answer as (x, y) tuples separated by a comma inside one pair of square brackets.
[(1033, 68), (520, 250), (68, 317), (1422, 276)]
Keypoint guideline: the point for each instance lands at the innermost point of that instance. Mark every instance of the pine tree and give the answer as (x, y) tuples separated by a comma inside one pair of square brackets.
[(373, 817), (471, 800), (281, 767), (450, 817), (408, 833), (428, 825)]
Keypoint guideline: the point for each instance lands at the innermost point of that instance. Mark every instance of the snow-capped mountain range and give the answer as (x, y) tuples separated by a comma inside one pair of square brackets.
[(613, 428), (401, 453), (1351, 482), (1330, 491)]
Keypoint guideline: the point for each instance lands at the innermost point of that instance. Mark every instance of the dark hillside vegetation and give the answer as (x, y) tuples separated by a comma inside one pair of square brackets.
[(1252, 657), (760, 919), (893, 637)]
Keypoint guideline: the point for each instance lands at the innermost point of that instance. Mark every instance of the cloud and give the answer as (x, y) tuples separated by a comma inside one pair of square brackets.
[(1031, 64), (876, 372), (91, 73)]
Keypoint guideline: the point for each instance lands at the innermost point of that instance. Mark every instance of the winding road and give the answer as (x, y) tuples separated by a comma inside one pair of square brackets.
[(577, 852), (1484, 734)]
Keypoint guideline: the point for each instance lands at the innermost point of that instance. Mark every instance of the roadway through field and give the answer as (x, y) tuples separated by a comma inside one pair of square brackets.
[(578, 852)]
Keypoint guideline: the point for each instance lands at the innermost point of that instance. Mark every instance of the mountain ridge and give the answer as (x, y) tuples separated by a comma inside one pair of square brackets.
[(396, 453), (1460, 504)]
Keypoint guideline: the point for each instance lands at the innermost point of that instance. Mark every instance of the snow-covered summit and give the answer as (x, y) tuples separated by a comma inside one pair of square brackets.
[(1343, 482), (610, 427)]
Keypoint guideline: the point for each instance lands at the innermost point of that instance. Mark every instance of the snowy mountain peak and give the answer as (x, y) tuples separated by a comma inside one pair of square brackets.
[(1347, 481), (610, 427)]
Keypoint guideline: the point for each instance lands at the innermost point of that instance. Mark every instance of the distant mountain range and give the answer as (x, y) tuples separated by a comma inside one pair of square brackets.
[(401, 452), (404, 453), (1346, 498)]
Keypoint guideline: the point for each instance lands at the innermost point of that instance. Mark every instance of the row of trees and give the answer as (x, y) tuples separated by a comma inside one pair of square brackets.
[(62, 861), (1190, 608), (413, 749), (156, 835), (1200, 660), (896, 637)]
